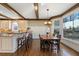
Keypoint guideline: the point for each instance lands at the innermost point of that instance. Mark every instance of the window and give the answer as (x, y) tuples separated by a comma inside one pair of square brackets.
[(56, 27), (71, 26)]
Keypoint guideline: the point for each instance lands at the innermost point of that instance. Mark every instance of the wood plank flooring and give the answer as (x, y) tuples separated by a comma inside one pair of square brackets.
[(34, 50)]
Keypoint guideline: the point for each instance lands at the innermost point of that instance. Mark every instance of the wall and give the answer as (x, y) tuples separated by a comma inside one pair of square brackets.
[(37, 27), (61, 25), (4, 24), (22, 24), (7, 24)]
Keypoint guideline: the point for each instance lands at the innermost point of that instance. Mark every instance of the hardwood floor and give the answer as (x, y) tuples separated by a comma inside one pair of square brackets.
[(34, 50)]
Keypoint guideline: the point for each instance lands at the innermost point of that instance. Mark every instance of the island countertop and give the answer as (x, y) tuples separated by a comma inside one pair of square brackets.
[(11, 34)]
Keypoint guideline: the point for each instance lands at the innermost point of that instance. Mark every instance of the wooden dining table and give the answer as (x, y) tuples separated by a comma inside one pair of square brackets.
[(49, 39), (46, 37)]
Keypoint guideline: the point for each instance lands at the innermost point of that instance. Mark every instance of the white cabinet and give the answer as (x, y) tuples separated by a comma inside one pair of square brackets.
[(7, 44)]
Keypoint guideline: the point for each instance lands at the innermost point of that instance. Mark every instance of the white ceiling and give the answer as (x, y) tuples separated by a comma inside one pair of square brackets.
[(54, 9), (2, 17), (8, 13), (27, 9)]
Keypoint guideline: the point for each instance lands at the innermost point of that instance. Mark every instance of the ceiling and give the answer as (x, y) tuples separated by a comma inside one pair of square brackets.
[(28, 11), (8, 13)]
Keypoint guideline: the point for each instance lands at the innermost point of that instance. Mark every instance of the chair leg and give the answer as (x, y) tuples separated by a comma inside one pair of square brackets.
[(41, 44), (58, 47), (25, 46)]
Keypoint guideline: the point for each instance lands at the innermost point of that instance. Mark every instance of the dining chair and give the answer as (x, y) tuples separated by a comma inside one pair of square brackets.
[(59, 36), (28, 40), (55, 44), (41, 42), (44, 43)]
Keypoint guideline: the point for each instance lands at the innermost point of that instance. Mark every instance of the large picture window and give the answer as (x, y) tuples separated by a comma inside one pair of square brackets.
[(71, 26), (56, 27)]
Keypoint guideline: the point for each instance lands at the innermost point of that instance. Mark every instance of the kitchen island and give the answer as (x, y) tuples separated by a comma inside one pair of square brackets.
[(8, 42)]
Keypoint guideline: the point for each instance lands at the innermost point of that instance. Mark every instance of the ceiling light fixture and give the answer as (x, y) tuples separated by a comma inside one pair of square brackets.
[(47, 22), (36, 7)]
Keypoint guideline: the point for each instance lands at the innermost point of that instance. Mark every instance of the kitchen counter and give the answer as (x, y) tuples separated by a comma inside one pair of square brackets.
[(8, 42)]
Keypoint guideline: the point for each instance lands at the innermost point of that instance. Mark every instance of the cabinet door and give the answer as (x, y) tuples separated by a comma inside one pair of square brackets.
[(7, 44)]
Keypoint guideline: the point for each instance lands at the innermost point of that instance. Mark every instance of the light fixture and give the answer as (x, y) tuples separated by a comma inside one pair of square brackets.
[(35, 7), (47, 22)]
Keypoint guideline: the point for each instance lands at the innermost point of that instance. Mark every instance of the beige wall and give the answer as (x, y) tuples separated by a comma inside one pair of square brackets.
[(7, 24), (22, 24), (4, 24), (37, 27)]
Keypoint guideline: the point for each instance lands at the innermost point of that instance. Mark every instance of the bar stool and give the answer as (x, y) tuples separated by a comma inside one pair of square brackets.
[(27, 40), (19, 45)]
